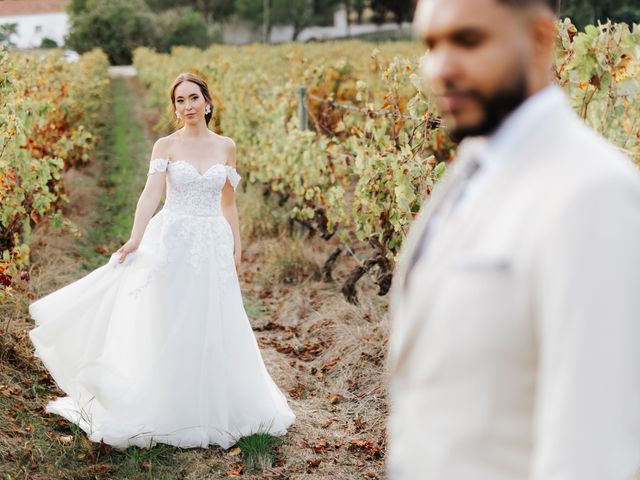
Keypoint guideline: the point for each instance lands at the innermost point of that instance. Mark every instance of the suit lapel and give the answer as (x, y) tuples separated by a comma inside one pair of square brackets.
[(409, 315), (456, 232), (423, 218), (399, 291)]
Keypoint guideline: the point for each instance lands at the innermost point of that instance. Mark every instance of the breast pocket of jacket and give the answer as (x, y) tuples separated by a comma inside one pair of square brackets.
[(481, 303)]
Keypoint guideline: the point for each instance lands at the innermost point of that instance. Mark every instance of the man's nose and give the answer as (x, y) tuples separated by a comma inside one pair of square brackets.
[(440, 67)]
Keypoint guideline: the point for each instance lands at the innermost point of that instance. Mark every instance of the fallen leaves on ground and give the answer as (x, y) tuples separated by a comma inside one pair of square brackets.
[(236, 470), (368, 447), (313, 463)]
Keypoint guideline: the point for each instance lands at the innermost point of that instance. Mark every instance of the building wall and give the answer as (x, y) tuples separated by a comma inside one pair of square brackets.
[(33, 28), (240, 32)]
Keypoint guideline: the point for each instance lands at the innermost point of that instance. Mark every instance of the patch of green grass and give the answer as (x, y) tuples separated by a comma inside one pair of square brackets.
[(123, 176), (259, 450), (255, 307), (155, 462)]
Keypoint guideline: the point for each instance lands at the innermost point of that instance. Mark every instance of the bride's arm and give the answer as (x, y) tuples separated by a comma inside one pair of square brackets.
[(229, 208), (147, 203)]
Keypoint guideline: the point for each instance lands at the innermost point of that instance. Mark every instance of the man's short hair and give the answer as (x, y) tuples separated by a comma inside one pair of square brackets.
[(554, 5)]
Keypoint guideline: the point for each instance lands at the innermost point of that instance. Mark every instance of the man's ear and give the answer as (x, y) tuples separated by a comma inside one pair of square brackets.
[(543, 31)]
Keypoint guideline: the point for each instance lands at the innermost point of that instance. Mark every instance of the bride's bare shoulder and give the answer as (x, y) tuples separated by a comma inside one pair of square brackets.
[(222, 140), (162, 147), (230, 149), (226, 144)]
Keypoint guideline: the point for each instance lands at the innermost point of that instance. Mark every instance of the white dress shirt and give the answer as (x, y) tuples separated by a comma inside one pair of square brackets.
[(493, 152)]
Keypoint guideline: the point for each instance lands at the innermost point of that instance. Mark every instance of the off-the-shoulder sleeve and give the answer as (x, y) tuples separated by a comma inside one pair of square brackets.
[(234, 178), (158, 165)]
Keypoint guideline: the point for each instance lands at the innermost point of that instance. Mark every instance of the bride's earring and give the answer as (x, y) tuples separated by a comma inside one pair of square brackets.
[(177, 115), (207, 109)]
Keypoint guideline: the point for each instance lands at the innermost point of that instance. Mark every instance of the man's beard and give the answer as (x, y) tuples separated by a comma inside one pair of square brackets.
[(496, 107)]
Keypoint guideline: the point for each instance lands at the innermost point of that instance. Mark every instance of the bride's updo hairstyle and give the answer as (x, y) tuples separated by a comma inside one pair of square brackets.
[(204, 88)]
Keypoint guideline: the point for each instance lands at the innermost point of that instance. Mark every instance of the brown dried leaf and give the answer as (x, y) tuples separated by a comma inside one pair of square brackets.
[(330, 364), (236, 470), (313, 463), (370, 448), (321, 446)]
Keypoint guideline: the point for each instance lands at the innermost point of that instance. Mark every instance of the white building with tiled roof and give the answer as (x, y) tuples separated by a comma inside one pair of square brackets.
[(36, 20)]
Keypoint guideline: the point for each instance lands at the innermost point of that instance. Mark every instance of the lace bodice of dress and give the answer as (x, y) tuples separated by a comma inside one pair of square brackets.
[(191, 193)]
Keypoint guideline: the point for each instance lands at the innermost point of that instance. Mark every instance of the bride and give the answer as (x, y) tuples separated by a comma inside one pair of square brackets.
[(155, 345)]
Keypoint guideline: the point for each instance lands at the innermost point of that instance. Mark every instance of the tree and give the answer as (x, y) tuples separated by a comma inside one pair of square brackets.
[(76, 7), (256, 12), (212, 10), (117, 26), (183, 26), (48, 43), (6, 31), (359, 7), (585, 12), (402, 10), (298, 13)]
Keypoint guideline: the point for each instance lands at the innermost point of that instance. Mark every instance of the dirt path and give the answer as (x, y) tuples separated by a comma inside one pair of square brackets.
[(325, 354), (122, 71)]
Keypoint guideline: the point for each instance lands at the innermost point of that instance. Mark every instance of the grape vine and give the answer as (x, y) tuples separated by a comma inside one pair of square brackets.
[(373, 148), (47, 124)]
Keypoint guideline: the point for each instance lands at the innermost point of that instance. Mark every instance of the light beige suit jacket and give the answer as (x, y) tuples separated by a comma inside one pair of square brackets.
[(515, 347)]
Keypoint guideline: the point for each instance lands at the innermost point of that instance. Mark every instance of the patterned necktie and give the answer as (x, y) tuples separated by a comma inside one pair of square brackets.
[(443, 210)]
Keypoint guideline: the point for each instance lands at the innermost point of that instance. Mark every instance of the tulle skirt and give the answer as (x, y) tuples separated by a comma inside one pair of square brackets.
[(159, 348)]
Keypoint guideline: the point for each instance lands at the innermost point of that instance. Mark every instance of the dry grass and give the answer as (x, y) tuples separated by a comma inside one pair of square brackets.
[(54, 252), (287, 260), (259, 216), (327, 354)]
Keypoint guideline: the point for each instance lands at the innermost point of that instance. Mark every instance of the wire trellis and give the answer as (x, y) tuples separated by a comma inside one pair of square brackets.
[(385, 112)]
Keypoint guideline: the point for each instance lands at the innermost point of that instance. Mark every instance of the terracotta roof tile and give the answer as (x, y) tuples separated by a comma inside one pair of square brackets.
[(29, 7)]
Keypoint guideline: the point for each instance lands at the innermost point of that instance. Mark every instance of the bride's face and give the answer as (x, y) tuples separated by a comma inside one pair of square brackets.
[(189, 103)]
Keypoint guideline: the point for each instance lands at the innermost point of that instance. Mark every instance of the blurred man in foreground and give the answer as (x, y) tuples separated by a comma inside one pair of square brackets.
[(515, 341)]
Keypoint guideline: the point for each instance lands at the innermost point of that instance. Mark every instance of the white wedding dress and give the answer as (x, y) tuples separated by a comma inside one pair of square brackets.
[(159, 348)]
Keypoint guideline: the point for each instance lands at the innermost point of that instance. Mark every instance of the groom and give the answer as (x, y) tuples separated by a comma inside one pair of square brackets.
[(515, 342)]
